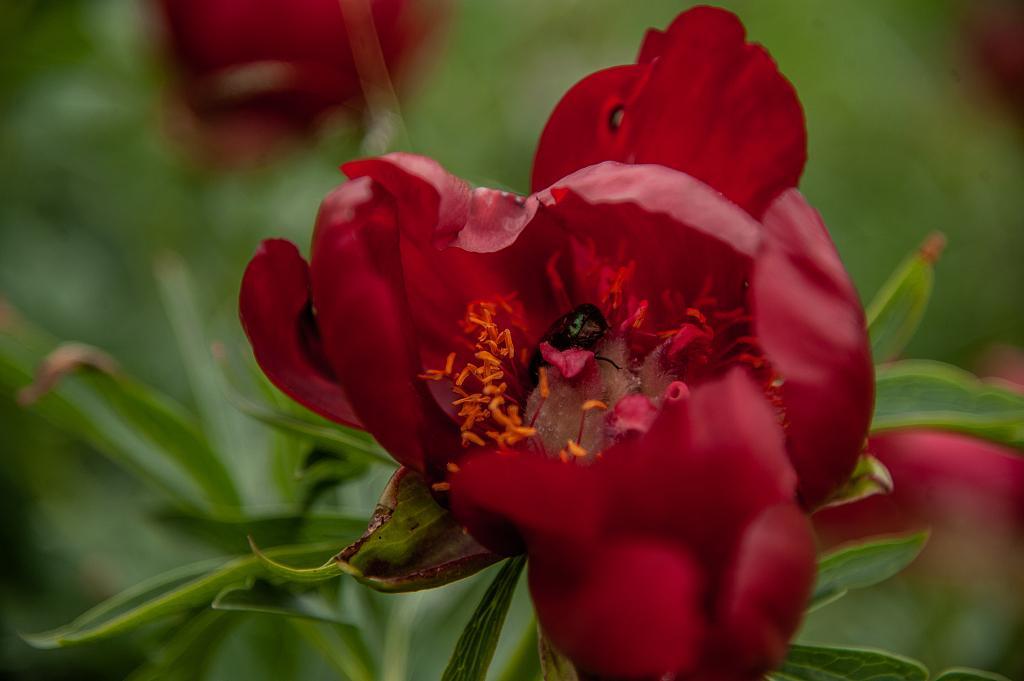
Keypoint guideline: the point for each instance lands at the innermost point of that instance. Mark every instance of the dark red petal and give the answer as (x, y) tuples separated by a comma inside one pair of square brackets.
[(366, 325), (766, 590), (710, 104), (717, 455), (681, 233), (276, 314), (460, 245), (580, 131), (811, 325), (633, 612), (510, 499)]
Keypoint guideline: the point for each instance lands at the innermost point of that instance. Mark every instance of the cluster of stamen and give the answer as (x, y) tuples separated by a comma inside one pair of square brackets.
[(481, 387)]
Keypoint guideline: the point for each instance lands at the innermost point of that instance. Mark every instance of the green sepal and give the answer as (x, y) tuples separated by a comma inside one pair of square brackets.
[(412, 542), (869, 477)]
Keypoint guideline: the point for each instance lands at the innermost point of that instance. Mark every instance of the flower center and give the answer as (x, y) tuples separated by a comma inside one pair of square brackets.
[(599, 373)]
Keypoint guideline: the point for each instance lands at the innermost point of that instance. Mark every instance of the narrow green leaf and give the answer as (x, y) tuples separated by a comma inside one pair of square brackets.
[(524, 663), (926, 394), (476, 645), (231, 534), (554, 665), (219, 422), (964, 674), (897, 309), (412, 543), (173, 592), (341, 646), (329, 570), (263, 597), (320, 432), (185, 655), (863, 565), (134, 425), (826, 663)]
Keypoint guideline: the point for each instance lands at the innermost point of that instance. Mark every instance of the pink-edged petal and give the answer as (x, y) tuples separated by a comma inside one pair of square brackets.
[(460, 245), (703, 101), (633, 610), (682, 235), (765, 593), (276, 313), (811, 325), (366, 324)]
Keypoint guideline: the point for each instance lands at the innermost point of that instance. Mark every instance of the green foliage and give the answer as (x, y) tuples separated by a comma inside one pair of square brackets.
[(261, 596), (961, 674), (824, 663), (129, 422), (926, 394), (863, 565), (175, 592), (473, 652), (897, 309)]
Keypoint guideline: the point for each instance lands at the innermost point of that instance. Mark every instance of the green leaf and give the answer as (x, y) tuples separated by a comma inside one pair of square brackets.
[(964, 674), (320, 432), (869, 477), (926, 394), (826, 663), (412, 543), (219, 422), (171, 593), (134, 425), (263, 597), (231, 534), (185, 655), (524, 662), (341, 646), (475, 648), (897, 309), (554, 666), (863, 565)]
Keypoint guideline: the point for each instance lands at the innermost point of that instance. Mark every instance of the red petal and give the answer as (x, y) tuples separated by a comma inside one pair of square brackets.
[(811, 325), (680, 232), (633, 612), (275, 309), (767, 590), (461, 245), (366, 324), (710, 104), (956, 484)]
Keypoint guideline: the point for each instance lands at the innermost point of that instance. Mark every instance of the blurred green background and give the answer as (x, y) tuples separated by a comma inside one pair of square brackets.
[(903, 141)]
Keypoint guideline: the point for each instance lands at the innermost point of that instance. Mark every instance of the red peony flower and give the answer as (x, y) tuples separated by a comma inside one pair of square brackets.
[(254, 72), (619, 373)]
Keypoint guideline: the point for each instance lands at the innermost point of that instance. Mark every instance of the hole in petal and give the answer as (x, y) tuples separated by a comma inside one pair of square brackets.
[(615, 117)]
